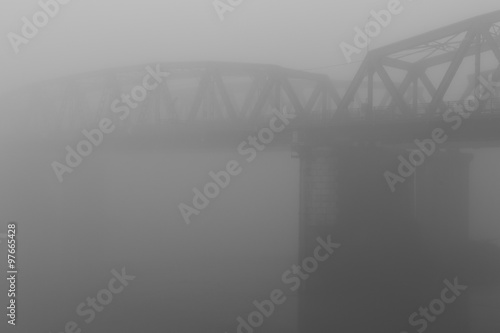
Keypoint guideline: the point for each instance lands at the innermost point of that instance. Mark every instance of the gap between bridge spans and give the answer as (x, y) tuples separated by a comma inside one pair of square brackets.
[(233, 168), (427, 147), (95, 137), (30, 29)]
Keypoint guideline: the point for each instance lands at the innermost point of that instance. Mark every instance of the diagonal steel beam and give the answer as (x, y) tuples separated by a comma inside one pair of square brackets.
[(258, 82), (287, 87), (201, 91), (348, 98), (396, 96), (226, 99), (429, 86), (313, 99), (409, 77), (452, 70), (263, 98), (331, 91), (492, 44)]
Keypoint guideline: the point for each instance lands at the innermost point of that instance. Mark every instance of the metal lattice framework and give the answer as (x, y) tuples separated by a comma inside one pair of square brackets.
[(413, 59), (232, 93), (397, 80)]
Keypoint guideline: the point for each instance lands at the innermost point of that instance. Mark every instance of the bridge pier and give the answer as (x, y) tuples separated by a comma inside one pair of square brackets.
[(442, 209), (442, 204), (393, 244)]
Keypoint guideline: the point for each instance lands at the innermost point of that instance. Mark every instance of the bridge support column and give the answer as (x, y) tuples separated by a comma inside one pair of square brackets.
[(385, 268), (442, 209), (344, 196), (442, 205)]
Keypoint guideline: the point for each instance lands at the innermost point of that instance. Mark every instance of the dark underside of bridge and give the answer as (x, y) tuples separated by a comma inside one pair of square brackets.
[(475, 132)]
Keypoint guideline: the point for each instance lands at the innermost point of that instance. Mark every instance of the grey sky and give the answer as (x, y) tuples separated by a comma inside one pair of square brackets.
[(92, 34)]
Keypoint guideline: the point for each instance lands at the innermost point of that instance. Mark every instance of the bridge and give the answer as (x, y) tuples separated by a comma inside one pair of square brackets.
[(400, 85), (347, 135)]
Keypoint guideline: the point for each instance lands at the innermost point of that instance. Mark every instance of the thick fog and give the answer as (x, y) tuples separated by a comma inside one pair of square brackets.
[(119, 209)]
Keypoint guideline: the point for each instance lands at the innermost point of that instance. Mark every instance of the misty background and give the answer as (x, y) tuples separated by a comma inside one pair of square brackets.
[(119, 208)]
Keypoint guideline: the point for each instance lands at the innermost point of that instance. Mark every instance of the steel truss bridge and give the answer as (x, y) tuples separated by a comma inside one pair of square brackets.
[(399, 93), (403, 87)]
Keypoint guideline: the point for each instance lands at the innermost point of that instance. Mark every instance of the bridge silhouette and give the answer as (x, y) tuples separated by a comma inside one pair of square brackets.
[(400, 92), (399, 85)]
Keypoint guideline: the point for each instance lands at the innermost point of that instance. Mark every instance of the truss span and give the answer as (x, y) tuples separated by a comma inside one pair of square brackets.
[(231, 93), (413, 79)]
